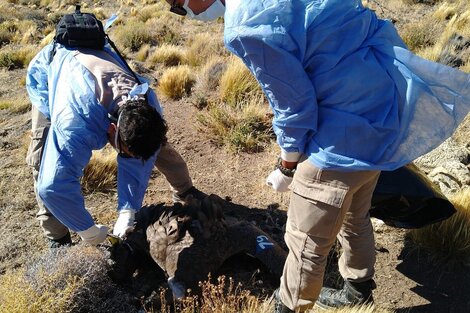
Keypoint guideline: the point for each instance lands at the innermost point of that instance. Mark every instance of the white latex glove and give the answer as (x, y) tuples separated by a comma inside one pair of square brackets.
[(94, 235), (278, 181), (124, 223)]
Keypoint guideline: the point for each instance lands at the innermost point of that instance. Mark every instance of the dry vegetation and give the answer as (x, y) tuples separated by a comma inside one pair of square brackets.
[(189, 63), (449, 240)]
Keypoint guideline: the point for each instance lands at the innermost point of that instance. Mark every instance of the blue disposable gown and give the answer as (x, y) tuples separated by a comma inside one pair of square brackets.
[(342, 85), (64, 91)]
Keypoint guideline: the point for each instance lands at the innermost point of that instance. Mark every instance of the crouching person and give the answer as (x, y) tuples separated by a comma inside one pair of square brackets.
[(82, 99)]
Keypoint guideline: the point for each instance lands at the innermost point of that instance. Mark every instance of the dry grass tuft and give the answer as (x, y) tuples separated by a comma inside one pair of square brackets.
[(17, 57), (422, 34), (143, 53), (167, 54), (149, 11), (19, 106), (176, 82), (412, 2), (246, 128), (202, 47), (361, 309), (223, 296), (458, 24), (445, 11), (132, 35), (210, 75), (448, 242), (63, 280), (101, 172), (238, 84), (166, 28)]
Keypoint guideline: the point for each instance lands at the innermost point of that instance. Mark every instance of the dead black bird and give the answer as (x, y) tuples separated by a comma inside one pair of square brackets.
[(190, 241)]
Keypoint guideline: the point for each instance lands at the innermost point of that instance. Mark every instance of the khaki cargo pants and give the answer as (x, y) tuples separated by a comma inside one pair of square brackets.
[(169, 163), (325, 205)]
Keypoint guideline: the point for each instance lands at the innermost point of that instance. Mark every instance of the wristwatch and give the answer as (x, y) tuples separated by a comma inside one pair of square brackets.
[(289, 172)]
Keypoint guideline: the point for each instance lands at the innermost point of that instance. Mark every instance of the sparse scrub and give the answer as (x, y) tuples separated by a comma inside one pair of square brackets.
[(143, 53), (202, 47), (6, 33), (165, 29), (445, 11), (147, 12), (13, 58), (361, 309), (237, 83), (430, 2), (210, 75), (100, 174), (421, 34), (132, 35), (176, 82), (224, 296), (167, 54), (247, 129), (19, 106), (448, 242), (100, 14), (47, 40), (63, 280), (459, 24)]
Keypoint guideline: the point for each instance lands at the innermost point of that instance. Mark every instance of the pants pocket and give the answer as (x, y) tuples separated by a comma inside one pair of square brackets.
[(36, 146), (317, 201), (319, 185)]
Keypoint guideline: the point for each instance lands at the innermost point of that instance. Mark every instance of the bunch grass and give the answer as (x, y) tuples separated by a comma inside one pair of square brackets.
[(201, 47), (246, 128), (448, 242), (101, 172), (17, 57), (18, 106), (63, 280), (176, 82), (238, 84), (167, 55), (132, 35)]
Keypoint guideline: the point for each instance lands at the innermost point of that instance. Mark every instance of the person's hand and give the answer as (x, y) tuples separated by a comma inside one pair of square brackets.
[(94, 235), (124, 223), (278, 181)]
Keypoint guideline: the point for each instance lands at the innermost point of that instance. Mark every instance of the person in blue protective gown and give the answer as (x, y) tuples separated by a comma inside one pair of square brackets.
[(349, 100), (82, 99)]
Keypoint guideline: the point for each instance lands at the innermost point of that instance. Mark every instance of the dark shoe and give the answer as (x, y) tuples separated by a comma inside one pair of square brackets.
[(193, 191), (351, 294), (279, 307), (65, 241)]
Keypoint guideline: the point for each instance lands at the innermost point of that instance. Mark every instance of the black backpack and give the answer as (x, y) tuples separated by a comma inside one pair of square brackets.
[(80, 30), (84, 30)]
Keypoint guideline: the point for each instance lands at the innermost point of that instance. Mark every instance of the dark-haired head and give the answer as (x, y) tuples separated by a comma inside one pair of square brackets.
[(141, 128)]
